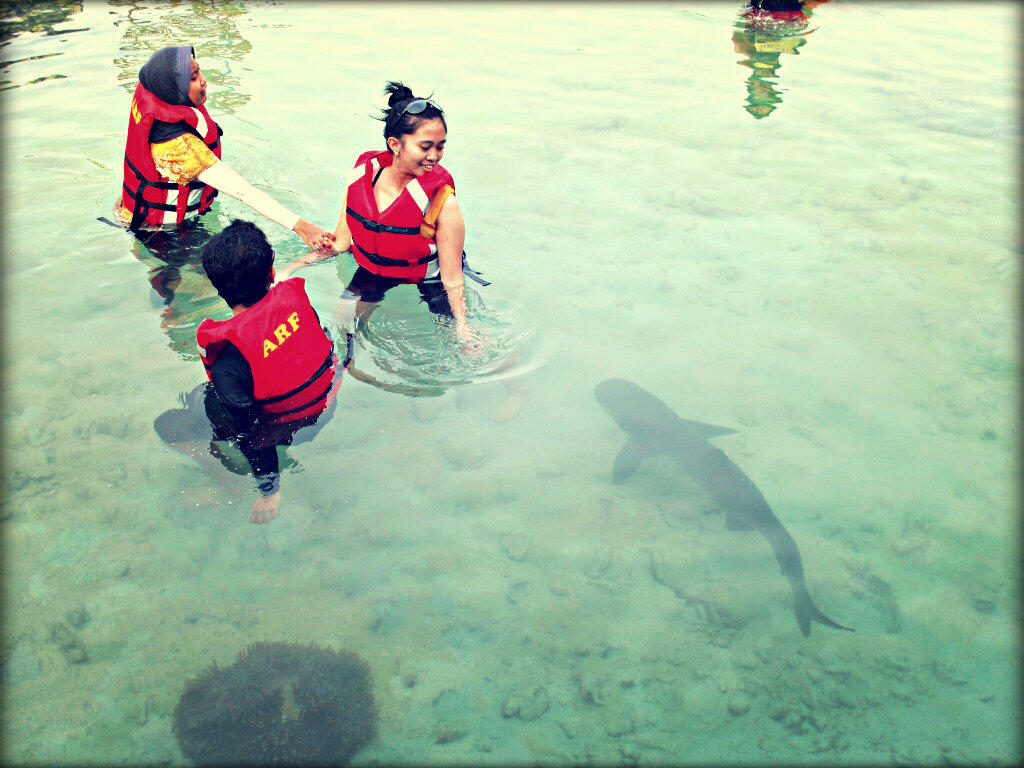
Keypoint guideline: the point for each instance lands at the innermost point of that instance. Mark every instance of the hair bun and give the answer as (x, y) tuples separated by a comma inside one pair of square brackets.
[(398, 92)]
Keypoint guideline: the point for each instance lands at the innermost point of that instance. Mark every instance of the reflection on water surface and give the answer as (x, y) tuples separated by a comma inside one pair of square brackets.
[(17, 16), (766, 30)]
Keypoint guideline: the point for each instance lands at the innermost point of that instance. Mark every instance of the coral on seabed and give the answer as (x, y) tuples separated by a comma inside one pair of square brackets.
[(278, 704)]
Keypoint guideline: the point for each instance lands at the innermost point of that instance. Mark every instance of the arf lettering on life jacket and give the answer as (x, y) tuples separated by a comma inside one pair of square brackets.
[(152, 199), (281, 333), (292, 358)]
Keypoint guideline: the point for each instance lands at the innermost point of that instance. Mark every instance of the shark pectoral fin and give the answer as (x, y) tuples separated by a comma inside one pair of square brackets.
[(628, 460), (701, 429), (734, 523)]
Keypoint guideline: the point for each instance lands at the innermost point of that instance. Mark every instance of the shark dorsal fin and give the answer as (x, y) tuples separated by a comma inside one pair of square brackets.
[(706, 431)]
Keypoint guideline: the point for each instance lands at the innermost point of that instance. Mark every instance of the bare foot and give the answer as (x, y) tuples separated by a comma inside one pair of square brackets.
[(265, 509), (510, 407)]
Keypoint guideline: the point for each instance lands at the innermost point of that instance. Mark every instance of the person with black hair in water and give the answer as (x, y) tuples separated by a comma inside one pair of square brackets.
[(402, 222), (400, 217), (273, 369)]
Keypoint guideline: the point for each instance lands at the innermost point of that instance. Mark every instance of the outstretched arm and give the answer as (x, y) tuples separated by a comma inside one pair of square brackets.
[(225, 179)]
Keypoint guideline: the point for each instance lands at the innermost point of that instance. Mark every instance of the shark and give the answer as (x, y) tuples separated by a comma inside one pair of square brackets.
[(654, 429)]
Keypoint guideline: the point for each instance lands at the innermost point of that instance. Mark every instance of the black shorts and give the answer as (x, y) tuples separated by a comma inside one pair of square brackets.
[(370, 287)]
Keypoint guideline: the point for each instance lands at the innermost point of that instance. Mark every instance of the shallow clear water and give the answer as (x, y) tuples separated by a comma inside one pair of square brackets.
[(812, 241)]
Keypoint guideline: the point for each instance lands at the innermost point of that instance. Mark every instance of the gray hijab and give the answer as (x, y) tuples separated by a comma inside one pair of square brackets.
[(168, 73)]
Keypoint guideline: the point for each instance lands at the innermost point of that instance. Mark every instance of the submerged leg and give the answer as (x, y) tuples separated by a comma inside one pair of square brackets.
[(512, 404)]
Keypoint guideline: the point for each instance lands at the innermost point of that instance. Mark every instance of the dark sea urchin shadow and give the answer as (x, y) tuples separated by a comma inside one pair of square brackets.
[(278, 704)]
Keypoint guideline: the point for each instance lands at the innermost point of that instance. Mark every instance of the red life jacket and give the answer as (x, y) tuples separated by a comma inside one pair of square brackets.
[(767, 16), (390, 243), (152, 200), (292, 359)]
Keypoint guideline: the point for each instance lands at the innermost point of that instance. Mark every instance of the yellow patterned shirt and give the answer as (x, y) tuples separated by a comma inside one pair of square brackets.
[(180, 160)]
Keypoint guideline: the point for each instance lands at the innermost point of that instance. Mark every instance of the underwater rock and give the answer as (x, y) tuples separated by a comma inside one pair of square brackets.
[(426, 410), (73, 649), (833, 664), (749, 661), (446, 732), (525, 702), (460, 456), (557, 588), (740, 705), (454, 712), (596, 562), (618, 722), (984, 605), (144, 707), (78, 616), (518, 592), (278, 704), (387, 615), (21, 665), (878, 593), (594, 690), (516, 545)]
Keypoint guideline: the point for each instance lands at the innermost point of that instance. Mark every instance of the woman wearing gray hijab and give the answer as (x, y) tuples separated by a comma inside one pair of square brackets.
[(172, 165)]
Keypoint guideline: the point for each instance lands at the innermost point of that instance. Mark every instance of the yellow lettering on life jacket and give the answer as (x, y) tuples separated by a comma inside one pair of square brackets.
[(281, 333), (293, 318), (268, 347), (136, 114)]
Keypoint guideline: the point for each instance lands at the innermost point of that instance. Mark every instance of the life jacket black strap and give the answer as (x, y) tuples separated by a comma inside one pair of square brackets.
[(140, 208), (375, 226), (384, 261), (140, 177), (319, 372), (155, 206), (311, 403)]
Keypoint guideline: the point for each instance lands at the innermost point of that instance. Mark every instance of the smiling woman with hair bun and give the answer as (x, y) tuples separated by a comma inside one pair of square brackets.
[(400, 218)]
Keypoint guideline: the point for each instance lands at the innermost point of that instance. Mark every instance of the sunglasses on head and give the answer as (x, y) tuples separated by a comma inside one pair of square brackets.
[(416, 106)]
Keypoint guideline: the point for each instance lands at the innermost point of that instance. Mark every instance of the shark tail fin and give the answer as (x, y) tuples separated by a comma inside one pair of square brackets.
[(807, 611), (706, 431)]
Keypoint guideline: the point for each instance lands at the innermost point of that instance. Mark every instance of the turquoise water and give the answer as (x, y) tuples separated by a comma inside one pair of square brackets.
[(815, 246)]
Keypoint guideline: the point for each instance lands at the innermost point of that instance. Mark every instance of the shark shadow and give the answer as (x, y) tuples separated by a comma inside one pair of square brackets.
[(654, 429)]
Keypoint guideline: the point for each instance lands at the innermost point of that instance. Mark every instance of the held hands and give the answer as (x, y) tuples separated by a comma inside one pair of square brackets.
[(321, 241), (312, 235)]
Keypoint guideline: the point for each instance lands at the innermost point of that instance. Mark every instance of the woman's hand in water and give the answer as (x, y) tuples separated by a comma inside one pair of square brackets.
[(473, 343), (312, 235)]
